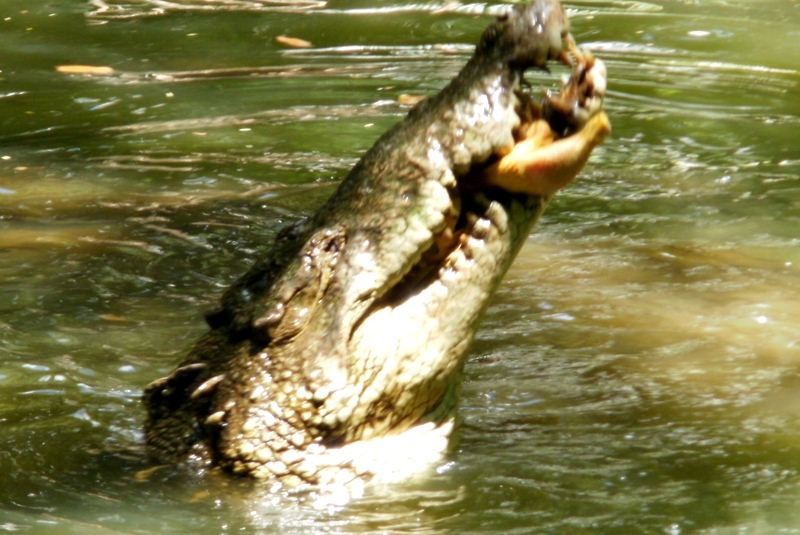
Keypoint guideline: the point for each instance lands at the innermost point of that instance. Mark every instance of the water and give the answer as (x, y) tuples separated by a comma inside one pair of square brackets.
[(639, 371)]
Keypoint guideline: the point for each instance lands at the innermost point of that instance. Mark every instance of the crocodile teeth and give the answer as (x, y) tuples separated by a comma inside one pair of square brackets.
[(161, 381), (481, 229), (207, 386), (215, 418)]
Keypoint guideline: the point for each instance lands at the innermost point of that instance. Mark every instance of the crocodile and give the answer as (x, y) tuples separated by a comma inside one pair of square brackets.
[(352, 334)]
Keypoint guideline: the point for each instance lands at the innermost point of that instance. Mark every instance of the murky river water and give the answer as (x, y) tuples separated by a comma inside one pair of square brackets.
[(639, 371)]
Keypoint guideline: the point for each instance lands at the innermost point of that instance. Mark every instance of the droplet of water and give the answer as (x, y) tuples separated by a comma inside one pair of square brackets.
[(673, 529)]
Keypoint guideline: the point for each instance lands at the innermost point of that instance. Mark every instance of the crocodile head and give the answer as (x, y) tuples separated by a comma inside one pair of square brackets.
[(528, 36), (352, 334)]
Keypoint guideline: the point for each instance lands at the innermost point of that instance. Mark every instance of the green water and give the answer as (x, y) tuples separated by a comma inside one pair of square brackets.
[(638, 372)]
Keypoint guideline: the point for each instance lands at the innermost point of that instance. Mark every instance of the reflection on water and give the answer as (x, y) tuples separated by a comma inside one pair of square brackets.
[(638, 371), (115, 9)]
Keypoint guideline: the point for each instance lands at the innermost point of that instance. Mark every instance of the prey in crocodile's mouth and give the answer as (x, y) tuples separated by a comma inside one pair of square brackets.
[(556, 137)]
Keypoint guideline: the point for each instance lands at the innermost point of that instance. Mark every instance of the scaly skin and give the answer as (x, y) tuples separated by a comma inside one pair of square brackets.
[(356, 326)]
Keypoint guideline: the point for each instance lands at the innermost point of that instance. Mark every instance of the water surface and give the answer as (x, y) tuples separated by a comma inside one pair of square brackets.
[(639, 371)]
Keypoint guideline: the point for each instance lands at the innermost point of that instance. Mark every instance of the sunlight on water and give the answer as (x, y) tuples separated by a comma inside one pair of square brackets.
[(638, 371)]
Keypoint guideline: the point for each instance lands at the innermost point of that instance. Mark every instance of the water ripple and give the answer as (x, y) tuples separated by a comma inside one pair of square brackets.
[(106, 10), (281, 116)]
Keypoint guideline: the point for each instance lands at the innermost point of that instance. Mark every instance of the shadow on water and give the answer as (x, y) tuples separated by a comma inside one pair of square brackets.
[(637, 372)]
